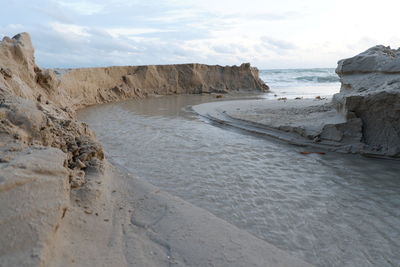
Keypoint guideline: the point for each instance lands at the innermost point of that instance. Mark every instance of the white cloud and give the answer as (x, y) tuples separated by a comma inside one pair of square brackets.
[(83, 7), (129, 31), (70, 31)]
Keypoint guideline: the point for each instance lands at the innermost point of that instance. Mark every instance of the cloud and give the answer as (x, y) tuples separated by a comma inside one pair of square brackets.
[(83, 7), (263, 16), (287, 33), (132, 31), (277, 44), (70, 32)]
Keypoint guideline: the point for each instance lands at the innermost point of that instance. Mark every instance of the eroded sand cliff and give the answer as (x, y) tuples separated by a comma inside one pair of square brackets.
[(99, 85), (63, 204)]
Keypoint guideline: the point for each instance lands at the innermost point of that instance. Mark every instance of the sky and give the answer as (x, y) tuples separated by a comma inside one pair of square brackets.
[(268, 34)]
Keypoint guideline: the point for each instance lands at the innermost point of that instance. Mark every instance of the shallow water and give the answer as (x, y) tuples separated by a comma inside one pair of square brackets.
[(331, 210)]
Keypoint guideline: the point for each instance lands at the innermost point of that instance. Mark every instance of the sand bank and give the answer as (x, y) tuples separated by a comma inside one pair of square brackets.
[(305, 122)]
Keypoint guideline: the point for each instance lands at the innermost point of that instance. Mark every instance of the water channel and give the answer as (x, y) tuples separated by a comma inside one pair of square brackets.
[(330, 210)]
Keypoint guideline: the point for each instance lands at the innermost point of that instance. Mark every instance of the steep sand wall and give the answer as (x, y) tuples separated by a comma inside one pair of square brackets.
[(98, 85), (47, 156)]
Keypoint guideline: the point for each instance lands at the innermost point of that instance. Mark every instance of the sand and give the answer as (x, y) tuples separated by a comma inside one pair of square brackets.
[(64, 203), (305, 122), (146, 226)]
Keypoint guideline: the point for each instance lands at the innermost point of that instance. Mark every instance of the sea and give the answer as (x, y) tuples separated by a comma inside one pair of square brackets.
[(306, 83)]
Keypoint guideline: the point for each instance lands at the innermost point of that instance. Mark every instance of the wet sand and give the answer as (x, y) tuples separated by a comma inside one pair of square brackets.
[(141, 225), (301, 122)]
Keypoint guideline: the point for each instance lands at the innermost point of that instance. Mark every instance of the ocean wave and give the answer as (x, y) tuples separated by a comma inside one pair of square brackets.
[(318, 79), (292, 71), (299, 77)]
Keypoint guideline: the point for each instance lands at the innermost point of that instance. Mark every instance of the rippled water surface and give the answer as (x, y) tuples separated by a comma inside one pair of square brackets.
[(331, 210)]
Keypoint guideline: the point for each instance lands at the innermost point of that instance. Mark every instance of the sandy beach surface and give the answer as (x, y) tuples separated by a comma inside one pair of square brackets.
[(295, 121)]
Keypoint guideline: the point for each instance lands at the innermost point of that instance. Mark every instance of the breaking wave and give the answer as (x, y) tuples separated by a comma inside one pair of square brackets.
[(319, 79), (299, 77)]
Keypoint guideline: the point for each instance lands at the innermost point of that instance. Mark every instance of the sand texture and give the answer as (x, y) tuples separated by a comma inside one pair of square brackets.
[(305, 122), (64, 204)]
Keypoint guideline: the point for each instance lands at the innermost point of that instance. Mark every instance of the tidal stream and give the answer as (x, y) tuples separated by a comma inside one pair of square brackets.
[(330, 210)]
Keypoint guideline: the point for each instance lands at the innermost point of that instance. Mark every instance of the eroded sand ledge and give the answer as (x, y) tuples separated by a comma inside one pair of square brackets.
[(64, 204)]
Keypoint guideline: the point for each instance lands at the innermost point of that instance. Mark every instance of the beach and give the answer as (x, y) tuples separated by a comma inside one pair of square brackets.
[(57, 188), (69, 200)]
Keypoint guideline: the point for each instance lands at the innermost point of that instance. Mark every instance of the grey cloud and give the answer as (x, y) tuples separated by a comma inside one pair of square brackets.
[(277, 44), (177, 24), (230, 49), (101, 49)]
